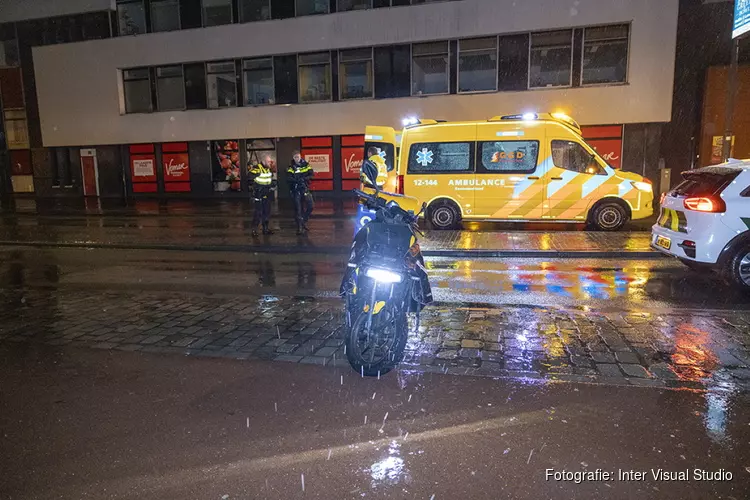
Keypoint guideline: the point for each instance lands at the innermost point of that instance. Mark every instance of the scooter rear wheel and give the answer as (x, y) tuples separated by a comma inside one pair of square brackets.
[(385, 348)]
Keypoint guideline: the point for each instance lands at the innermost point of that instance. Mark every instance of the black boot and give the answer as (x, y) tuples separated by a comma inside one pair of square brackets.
[(304, 226), (300, 229), (255, 231), (265, 229)]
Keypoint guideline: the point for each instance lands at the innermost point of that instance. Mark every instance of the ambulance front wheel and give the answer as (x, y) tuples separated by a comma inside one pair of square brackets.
[(609, 216), (444, 215)]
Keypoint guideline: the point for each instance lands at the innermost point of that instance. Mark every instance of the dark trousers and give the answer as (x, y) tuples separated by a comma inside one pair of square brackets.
[(262, 210), (303, 205)]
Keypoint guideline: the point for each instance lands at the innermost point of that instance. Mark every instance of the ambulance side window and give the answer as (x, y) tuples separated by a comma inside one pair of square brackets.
[(508, 157), (441, 157), (574, 157)]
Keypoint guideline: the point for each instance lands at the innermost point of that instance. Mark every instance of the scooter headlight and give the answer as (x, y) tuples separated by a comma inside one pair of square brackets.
[(383, 275)]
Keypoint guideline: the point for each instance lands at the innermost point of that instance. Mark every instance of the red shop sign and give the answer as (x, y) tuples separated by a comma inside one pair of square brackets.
[(352, 156), (317, 151), (176, 167), (607, 141)]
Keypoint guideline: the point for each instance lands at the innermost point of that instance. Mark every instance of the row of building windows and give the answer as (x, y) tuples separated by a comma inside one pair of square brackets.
[(488, 64), (148, 16)]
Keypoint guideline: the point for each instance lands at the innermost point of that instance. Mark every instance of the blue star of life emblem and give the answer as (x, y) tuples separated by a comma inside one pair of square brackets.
[(424, 157)]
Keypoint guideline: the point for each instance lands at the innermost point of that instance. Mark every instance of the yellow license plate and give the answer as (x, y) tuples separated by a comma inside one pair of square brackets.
[(663, 242)]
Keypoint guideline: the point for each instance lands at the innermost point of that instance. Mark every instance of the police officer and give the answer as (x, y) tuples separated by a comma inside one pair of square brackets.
[(261, 183), (298, 175), (374, 160)]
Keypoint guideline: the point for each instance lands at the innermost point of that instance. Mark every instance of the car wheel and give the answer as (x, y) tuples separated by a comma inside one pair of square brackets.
[(609, 217), (737, 270), (444, 216)]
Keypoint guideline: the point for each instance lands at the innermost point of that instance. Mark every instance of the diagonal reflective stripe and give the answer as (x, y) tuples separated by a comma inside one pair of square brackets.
[(555, 186), (625, 187), (592, 184), (526, 183)]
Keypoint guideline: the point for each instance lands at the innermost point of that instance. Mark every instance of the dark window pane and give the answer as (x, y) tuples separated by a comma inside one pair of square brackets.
[(309, 7), (355, 73), (433, 157), (191, 14), (605, 54), (222, 84), (258, 79), (131, 18), (392, 72), (11, 88), (165, 15), (217, 12), (94, 25), (285, 79), (508, 156), (7, 31), (170, 88), (477, 65), (195, 86), (254, 10), (513, 62), (282, 9), (430, 68), (356, 80), (551, 60), (344, 5), (315, 82), (574, 157), (137, 96), (376, 4)]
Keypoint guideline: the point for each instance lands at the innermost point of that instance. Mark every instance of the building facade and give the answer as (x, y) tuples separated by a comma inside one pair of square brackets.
[(176, 97)]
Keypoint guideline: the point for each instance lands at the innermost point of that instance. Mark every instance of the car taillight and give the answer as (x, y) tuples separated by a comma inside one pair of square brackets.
[(400, 185), (705, 204)]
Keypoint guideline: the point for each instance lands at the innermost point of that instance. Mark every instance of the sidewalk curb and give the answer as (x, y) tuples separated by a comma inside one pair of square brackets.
[(287, 250)]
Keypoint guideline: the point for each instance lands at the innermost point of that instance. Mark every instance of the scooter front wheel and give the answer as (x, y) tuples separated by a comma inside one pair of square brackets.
[(380, 351)]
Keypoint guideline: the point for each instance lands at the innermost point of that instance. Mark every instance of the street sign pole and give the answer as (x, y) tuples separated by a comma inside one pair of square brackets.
[(731, 93)]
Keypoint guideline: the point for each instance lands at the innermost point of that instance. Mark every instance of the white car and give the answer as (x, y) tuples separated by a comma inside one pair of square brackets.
[(705, 221)]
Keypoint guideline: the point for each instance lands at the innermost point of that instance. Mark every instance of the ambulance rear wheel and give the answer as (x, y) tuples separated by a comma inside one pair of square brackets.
[(610, 216), (444, 215)]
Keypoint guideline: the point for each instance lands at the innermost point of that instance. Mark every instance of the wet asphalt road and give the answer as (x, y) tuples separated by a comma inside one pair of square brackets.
[(83, 423), (80, 423), (601, 284)]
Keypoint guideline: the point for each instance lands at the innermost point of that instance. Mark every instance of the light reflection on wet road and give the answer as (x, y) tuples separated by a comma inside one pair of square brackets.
[(598, 284)]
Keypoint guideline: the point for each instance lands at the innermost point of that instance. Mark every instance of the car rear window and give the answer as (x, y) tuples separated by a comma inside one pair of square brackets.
[(705, 182)]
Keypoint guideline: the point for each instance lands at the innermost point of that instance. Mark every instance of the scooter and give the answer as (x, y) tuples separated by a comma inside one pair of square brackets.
[(385, 280)]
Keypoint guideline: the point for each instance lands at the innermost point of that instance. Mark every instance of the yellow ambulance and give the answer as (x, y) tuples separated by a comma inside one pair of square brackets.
[(526, 167)]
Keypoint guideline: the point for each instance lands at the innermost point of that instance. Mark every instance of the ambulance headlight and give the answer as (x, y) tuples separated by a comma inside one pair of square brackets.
[(383, 275), (646, 187)]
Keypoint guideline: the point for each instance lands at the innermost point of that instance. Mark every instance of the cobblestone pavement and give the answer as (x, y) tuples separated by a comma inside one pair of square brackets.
[(680, 349)]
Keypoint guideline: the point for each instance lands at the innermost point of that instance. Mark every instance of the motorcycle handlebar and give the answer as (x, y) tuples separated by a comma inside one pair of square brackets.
[(376, 203)]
